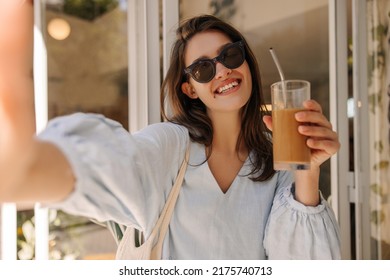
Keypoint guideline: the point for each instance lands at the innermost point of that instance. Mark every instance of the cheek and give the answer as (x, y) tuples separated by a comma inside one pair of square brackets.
[(204, 92)]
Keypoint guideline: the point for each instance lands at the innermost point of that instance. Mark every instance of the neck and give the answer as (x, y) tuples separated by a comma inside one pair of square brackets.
[(227, 128)]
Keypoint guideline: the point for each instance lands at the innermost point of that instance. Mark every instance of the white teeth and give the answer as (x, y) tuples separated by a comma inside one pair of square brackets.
[(227, 87)]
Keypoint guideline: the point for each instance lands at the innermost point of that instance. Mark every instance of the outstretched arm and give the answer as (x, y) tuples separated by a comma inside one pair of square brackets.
[(30, 170)]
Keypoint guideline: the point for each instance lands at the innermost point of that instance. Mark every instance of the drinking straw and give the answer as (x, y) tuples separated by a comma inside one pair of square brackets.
[(275, 58)]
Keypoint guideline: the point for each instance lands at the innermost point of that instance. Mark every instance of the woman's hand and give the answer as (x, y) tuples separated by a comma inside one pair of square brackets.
[(30, 170), (17, 119), (16, 35), (322, 141)]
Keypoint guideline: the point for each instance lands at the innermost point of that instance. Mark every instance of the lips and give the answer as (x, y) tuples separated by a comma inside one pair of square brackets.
[(227, 86)]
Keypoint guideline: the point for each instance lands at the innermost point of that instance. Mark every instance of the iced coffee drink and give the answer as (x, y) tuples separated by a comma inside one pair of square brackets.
[(289, 146)]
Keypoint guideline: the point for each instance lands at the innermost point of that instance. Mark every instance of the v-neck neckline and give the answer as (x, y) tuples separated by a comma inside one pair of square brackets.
[(214, 180)]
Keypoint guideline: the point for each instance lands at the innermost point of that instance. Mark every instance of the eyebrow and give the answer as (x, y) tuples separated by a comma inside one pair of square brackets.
[(219, 50)]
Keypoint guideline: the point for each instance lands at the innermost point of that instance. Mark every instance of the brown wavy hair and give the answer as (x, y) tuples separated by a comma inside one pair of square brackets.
[(192, 114)]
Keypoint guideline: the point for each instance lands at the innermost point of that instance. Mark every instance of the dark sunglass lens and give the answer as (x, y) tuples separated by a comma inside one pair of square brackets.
[(203, 71), (233, 57)]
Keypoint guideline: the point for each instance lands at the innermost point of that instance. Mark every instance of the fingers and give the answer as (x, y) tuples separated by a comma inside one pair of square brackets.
[(16, 36), (317, 132), (313, 116), (322, 150), (321, 138), (312, 105), (328, 146), (16, 56)]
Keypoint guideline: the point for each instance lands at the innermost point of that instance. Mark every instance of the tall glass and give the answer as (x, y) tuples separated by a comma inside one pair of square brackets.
[(289, 146)]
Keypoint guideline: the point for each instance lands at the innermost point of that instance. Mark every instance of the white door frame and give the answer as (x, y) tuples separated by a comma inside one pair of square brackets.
[(144, 63), (338, 96), (41, 214), (350, 187), (361, 139)]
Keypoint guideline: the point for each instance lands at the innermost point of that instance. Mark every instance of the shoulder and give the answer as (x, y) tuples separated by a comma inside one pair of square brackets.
[(164, 127), (164, 131)]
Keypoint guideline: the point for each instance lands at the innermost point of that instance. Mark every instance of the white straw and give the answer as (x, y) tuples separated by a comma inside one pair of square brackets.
[(277, 63)]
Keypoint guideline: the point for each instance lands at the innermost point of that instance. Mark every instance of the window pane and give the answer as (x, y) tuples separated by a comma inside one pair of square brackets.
[(87, 71), (87, 57)]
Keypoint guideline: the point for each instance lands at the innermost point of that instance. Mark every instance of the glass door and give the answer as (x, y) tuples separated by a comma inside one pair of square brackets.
[(81, 64), (296, 30)]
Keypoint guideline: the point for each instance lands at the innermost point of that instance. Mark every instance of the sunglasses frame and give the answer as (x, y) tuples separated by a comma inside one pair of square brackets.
[(188, 70)]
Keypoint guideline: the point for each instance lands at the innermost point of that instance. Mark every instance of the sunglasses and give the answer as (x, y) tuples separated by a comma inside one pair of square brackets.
[(232, 56)]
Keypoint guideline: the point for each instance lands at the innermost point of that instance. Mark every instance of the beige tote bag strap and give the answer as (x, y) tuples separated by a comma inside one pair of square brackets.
[(166, 214)]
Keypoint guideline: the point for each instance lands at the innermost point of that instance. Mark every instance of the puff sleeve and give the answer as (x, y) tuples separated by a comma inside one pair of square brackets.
[(119, 177), (296, 231)]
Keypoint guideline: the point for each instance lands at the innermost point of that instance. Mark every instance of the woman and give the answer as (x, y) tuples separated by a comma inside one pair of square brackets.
[(232, 204)]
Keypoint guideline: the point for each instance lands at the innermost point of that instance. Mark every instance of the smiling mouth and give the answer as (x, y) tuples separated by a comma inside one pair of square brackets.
[(228, 87)]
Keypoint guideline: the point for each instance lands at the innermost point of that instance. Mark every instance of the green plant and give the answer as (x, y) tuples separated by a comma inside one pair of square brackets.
[(63, 242), (89, 9)]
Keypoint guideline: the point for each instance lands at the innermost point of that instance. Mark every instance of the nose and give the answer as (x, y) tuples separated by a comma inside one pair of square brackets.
[(221, 70)]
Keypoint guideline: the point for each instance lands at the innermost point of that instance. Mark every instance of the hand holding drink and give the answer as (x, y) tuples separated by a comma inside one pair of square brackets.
[(302, 136), (318, 137), (289, 146)]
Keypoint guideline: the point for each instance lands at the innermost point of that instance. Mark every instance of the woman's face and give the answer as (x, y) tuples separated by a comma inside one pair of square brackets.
[(230, 89)]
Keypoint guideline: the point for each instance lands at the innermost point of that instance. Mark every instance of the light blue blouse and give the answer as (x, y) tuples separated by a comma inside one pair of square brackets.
[(124, 179)]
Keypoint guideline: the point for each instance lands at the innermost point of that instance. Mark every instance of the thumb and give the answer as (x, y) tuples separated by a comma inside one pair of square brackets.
[(268, 122)]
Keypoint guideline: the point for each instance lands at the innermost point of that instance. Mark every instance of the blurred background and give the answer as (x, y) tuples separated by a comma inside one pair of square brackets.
[(89, 69)]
